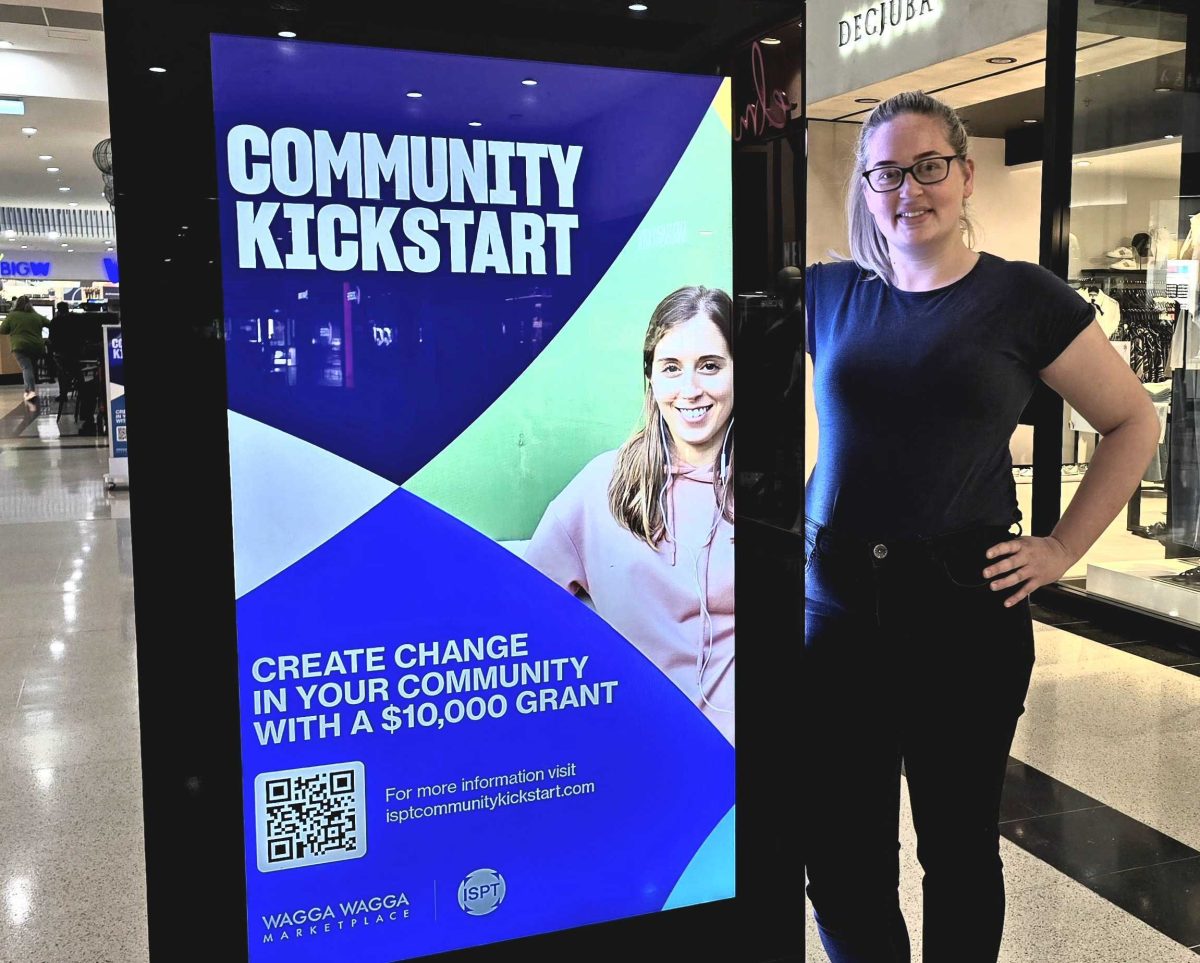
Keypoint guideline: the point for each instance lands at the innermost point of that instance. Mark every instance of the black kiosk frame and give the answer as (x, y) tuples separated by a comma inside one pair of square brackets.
[(166, 184)]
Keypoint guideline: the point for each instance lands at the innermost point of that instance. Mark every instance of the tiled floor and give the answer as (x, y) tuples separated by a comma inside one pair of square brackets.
[(1102, 801), (72, 886), (1100, 822)]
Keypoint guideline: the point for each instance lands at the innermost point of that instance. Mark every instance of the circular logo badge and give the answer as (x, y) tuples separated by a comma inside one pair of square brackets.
[(481, 892)]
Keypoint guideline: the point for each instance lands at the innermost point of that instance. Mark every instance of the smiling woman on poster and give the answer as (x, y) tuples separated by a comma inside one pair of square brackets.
[(646, 532)]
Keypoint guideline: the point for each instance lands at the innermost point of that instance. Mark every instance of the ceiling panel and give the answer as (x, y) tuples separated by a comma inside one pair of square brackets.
[(970, 80)]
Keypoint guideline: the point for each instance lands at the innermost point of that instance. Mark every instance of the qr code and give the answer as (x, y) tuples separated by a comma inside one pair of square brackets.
[(304, 817)]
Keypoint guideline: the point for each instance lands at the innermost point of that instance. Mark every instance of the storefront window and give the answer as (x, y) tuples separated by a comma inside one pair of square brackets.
[(1134, 254)]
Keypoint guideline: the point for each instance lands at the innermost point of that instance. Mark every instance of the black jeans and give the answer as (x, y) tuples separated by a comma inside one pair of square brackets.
[(909, 656)]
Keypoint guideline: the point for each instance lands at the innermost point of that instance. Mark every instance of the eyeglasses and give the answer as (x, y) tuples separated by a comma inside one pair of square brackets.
[(928, 170)]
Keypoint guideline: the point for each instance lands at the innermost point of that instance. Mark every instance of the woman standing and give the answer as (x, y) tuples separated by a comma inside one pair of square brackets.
[(24, 327), (646, 532), (918, 635)]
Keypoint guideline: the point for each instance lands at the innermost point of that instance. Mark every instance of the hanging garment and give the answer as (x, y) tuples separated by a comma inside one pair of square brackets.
[(1108, 309)]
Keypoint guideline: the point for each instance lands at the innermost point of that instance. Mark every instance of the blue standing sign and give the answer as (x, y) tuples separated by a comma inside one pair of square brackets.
[(114, 377)]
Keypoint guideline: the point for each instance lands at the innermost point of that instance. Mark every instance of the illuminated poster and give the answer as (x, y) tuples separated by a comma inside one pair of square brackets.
[(480, 388), (114, 377)]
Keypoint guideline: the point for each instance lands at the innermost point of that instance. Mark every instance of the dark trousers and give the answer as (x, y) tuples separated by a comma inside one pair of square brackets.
[(908, 656)]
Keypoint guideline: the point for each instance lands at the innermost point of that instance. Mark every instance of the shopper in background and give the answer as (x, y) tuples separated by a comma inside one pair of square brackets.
[(23, 325), (918, 635)]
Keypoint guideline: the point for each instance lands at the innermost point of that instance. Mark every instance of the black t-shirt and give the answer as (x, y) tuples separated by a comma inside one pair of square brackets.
[(918, 393)]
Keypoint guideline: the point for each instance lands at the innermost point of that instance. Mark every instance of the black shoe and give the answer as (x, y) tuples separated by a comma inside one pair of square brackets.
[(87, 428)]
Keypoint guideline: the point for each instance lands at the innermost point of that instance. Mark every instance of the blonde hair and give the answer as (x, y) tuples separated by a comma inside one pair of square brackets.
[(642, 465), (868, 247)]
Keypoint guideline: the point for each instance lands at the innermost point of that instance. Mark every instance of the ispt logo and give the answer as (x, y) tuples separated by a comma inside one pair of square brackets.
[(481, 892)]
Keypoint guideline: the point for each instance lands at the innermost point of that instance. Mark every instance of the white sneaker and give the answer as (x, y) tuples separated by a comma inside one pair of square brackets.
[(1120, 252), (1126, 264), (30, 395)]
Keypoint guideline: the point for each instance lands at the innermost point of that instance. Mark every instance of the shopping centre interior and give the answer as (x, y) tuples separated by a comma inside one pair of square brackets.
[(1100, 824)]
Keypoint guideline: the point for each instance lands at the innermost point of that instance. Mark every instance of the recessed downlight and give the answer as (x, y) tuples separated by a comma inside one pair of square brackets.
[(415, 94), (53, 170), (771, 40), (1083, 163), (1029, 120), (45, 157), (1169, 136), (638, 7), (62, 245), (29, 131), (287, 34), (73, 204), (529, 82), (108, 249), (158, 70), (1162, 90), (1002, 60), (866, 100), (70, 250), (64, 189), (474, 123)]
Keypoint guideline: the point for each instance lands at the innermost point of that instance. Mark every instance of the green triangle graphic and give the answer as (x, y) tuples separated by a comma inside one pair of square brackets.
[(583, 394)]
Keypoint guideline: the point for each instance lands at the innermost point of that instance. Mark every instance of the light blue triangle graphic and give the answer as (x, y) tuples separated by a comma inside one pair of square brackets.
[(289, 497), (711, 873)]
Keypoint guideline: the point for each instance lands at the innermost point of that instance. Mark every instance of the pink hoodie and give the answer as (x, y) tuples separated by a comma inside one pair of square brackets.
[(652, 597)]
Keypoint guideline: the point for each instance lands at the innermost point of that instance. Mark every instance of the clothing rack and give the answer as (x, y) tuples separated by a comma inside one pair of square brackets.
[(1147, 324)]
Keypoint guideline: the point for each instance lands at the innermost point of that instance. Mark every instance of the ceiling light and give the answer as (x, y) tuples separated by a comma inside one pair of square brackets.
[(108, 249), (70, 250), (12, 106), (1162, 90), (108, 240), (474, 123), (45, 157), (10, 233), (158, 70), (6, 43), (24, 247), (1002, 60), (1029, 120), (29, 131), (529, 82), (73, 204), (53, 170), (414, 94), (771, 40), (53, 235), (638, 7), (64, 189), (1169, 136), (866, 100), (1083, 163), (287, 34), (62, 245)]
